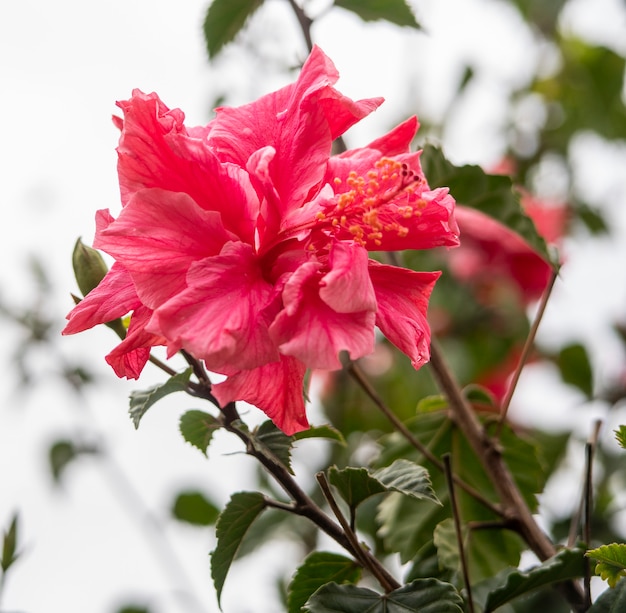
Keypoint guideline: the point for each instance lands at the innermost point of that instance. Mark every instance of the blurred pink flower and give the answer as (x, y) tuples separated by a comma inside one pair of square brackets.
[(491, 254), (244, 243)]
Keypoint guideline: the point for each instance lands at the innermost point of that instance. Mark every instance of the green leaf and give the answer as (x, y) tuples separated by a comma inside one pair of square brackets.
[(423, 596), (620, 435), (565, 565), (355, 484), (319, 568), (611, 601), (198, 428), (394, 11), (194, 508), (325, 431), (64, 452), (492, 195), (276, 441), (141, 401), (428, 404), (232, 525), (444, 539), (224, 19), (9, 545), (406, 525), (573, 362), (611, 560), (407, 478)]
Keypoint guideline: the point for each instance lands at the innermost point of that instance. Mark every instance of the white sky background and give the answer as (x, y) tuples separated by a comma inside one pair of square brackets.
[(63, 64)]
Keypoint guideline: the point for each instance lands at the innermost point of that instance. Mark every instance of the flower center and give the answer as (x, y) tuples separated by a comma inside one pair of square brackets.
[(376, 203)]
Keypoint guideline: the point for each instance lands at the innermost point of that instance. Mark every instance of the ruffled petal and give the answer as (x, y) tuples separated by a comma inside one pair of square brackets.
[(402, 297), (223, 314), (114, 297), (157, 151), (157, 237), (132, 354), (276, 388), (347, 287), (310, 330), (299, 122)]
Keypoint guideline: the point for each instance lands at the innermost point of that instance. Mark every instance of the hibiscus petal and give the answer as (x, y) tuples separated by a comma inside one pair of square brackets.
[(132, 354), (398, 140), (276, 388), (223, 315), (157, 151), (300, 122), (347, 288), (310, 330), (114, 297), (490, 249), (157, 236), (402, 297)]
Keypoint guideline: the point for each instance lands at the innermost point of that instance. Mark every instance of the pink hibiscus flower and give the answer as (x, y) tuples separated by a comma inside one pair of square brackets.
[(246, 244)]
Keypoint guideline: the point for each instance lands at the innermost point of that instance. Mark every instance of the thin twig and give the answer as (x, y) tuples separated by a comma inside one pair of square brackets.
[(490, 455), (590, 449), (305, 23), (528, 345), (457, 528), (359, 552), (304, 505), (355, 372)]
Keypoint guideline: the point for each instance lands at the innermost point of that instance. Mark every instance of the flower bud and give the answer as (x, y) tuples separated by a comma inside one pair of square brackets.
[(89, 267)]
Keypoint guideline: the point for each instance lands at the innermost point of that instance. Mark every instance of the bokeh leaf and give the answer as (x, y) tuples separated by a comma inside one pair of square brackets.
[(223, 21), (9, 545), (194, 508), (394, 11), (575, 366)]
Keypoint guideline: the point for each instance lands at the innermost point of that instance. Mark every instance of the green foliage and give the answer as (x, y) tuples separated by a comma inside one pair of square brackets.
[(611, 601), (224, 20), (565, 565), (276, 441), (492, 195), (232, 525), (586, 94), (319, 568), (620, 435), (64, 452), (325, 431), (357, 484), (423, 596), (575, 367), (541, 13), (198, 428), (9, 545), (611, 562), (141, 401), (406, 526), (194, 508), (394, 11), (133, 609)]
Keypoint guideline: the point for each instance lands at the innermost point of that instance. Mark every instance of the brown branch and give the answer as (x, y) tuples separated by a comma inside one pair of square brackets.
[(528, 345), (489, 453), (457, 528), (383, 577), (355, 372)]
